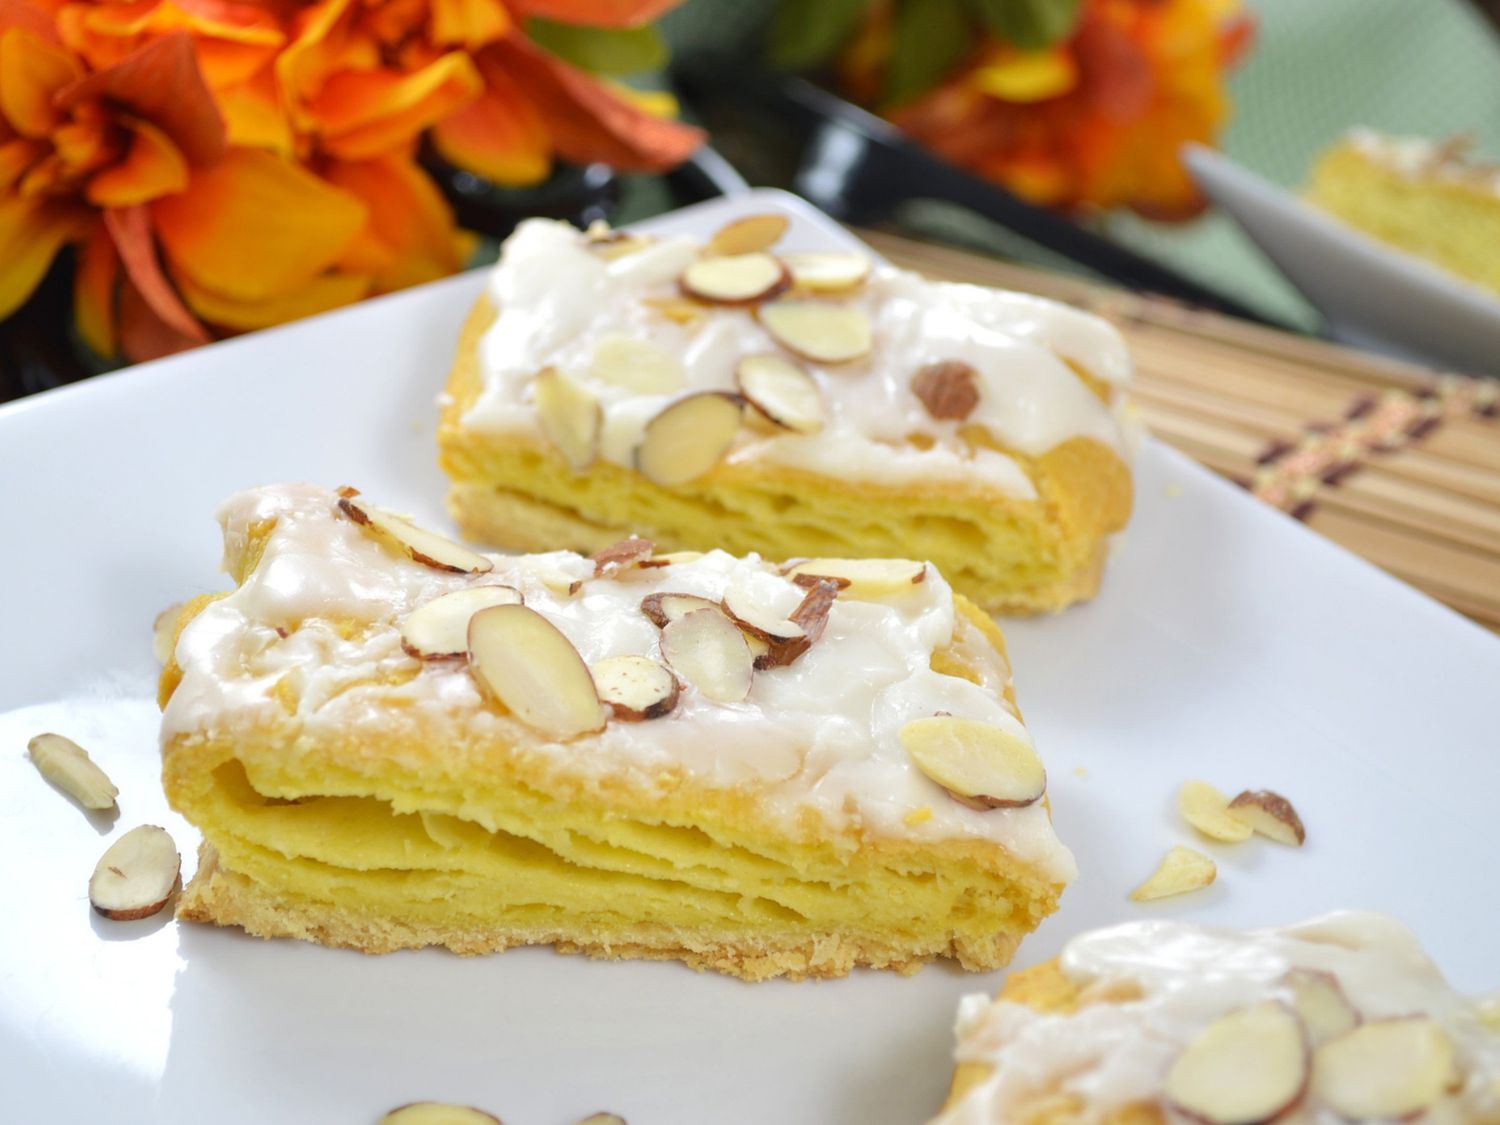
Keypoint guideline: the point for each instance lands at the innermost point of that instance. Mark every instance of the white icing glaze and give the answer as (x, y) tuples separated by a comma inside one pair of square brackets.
[(556, 300), (1115, 1053), (819, 734), (1418, 157)]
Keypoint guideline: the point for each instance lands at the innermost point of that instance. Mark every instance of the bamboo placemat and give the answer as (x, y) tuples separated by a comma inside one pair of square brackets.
[(1397, 463)]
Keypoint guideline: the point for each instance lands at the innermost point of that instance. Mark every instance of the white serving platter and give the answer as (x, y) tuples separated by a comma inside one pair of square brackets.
[(1229, 643)]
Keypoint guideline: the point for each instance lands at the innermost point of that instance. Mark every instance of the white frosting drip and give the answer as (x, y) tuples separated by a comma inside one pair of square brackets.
[(557, 299), (819, 734), (1113, 1054), (1417, 157)]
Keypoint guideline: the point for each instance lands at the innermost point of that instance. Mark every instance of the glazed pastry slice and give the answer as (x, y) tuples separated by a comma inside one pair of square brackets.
[(388, 740), (741, 395)]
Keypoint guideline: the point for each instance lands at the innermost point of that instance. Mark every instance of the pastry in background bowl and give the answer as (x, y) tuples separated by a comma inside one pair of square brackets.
[(733, 395), (388, 740), (1342, 1018)]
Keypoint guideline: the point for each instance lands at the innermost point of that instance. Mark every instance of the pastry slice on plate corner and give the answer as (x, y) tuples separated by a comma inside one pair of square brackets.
[(389, 740)]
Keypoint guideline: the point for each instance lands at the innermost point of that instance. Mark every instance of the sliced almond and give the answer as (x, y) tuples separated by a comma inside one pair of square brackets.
[(672, 558), (603, 1119), (1271, 815), (748, 235), (781, 392), (981, 765), (438, 1113), (864, 578), (664, 608), (1181, 870), (773, 639), (679, 310), (1250, 1066), (607, 243), (1384, 1070), (708, 650), (569, 416), (819, 331), (440, 628), (619, 556), (688, 438), (68, 766), (635, 687), (737, 279), (949, 390), (833, 271), (1207, 810), (525, 662), (136, 875), (641, 366), (1319, 1000), (424, 546)]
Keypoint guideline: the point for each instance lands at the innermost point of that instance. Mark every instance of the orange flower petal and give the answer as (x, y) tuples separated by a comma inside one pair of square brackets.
[(253, 114), (32, 231), (233, 42), (152, 167), (499, 135), (596, 13), (468, 23), (32, 71), (321, 294), (410, 226), (143, 334), (254, 225), (130, 228), (369, 113), (308, 59), (94, 288), (29, 17), (16, 156)]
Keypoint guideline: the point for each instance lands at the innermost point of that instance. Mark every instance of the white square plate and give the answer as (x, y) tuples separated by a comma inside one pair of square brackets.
[(1229, 643)]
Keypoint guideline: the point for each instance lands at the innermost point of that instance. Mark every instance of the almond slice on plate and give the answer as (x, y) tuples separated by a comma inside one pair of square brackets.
[(440, 628), (708, 650), (1320, 1000), (736, 279), (424, 546), (828, 271), (136, 875), (1247, 1067), (819, 331), (1181, 871), (689, 437), (569, 417), (619, 556), (672, 558), (979, 764), (949, 390), (664, 608), (748, 235), (863, 578), (636, 687), (781, 392), (641, 366), (1385, 1070), (1207, 810), (438, 1113), (1269, 814), (525, 662), (68, 766)]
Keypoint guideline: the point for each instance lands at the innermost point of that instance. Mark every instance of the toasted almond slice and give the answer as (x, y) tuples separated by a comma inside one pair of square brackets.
[(1384, 1070), (781, 392), (1271, 815), (619, 556), (440, 628), (569, 416), (864, 578), (526, 663), (164, 633), (949, 389), (818, 330), (666, 607), (636, 687), (688, 438), (603, 1119), (679, 310), (811, 616), (748, 234), (708, 650), (738, 279), (426, 547), (438, 1113), (637, 365), (68, 766), (136, 875), (672, 558), (757, 620), (1250, 1066), (1207, 810), (1320, 1000), (1181, 870), (835, 271), (979, 764)]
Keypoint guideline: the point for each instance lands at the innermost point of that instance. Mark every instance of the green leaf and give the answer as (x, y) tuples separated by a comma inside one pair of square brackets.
[(601, 50), (1031, 25), (930, 38), (805, 33)]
